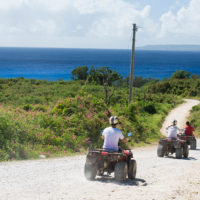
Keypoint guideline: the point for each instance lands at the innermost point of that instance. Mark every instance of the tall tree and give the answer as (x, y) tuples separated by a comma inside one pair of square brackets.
[(180, 75), (105, 77), (80, 73)]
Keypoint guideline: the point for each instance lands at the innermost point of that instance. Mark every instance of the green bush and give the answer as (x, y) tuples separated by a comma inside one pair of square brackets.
[(150, 108), (80, 73), (41, 108), (184, 86), (195, 118), (180, 75), (27, 107), (10, 138), (7, 132)]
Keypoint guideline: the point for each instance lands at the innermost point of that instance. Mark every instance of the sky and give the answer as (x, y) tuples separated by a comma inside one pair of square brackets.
[(98, 23)]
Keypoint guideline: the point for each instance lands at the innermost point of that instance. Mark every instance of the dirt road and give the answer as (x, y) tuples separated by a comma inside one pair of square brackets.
[(180, 114), (53, 179)]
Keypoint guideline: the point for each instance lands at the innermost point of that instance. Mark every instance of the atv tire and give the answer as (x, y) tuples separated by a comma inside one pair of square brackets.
[(160, 150), (90, 171), (120, 171), (185, 151), (132, 168), (179, 153), (193, 144)]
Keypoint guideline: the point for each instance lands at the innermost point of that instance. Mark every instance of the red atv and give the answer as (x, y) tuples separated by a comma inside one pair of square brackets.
[(179, 147), (190, 140), (99, 162)]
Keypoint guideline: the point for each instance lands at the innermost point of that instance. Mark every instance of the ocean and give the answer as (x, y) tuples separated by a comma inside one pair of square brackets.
[(57, 63)]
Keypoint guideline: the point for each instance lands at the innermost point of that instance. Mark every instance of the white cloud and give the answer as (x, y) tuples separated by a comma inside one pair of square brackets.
[(89, 19), (14, 30), (43, 27), (93, 23), (53, 5), (117, 22), (182, 26), (11, 4)]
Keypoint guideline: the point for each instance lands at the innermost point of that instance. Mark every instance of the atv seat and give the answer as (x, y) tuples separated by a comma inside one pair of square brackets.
[(109, 150), (172, 138)]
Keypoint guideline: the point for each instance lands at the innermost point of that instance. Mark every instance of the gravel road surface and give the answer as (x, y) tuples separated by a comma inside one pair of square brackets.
[(63, 178)]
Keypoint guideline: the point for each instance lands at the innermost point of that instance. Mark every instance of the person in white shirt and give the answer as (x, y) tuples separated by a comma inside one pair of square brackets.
[(172, 130), (112, 135)]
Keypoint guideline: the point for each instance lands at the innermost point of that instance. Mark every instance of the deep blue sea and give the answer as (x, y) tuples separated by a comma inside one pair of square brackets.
[(54, 63)]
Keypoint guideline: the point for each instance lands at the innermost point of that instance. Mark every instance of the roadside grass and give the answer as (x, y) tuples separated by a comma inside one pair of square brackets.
[(195, 119)]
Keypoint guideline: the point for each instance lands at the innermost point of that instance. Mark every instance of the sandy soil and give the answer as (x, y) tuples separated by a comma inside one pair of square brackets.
[(157, 178)]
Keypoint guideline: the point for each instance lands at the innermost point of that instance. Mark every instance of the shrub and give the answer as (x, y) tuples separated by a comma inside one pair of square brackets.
[(40, 108), (80, 73), (131, 111), (195, 118), (7, 132), (27, 107), (10, 138), (150, 108), (180, 75)]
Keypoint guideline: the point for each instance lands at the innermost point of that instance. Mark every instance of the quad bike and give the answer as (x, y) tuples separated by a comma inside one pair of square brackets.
[(190, 140), (99, 162), (170, 146)]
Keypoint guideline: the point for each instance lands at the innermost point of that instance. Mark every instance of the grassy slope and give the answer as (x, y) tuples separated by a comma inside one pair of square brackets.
[(56, 118)]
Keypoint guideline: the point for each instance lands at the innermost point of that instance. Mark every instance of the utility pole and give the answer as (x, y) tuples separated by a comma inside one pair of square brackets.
[(132, 63)]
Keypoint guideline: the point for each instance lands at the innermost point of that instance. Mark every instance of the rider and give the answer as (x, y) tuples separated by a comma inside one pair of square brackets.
[(111, 135), (189, 129), (172, 130)]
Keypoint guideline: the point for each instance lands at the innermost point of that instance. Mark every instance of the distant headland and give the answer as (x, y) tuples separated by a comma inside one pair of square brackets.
[(170, 47)]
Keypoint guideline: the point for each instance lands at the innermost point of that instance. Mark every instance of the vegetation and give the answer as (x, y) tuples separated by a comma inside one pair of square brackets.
[(80, 73), (183, 84), (102, 75), (195, 119), (62, 117), (184, 87), (140, 81), (180, 75)]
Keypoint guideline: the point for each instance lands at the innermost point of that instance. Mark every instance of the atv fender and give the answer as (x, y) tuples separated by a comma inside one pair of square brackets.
[(91, 160), (163, 142), (178, 144)]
